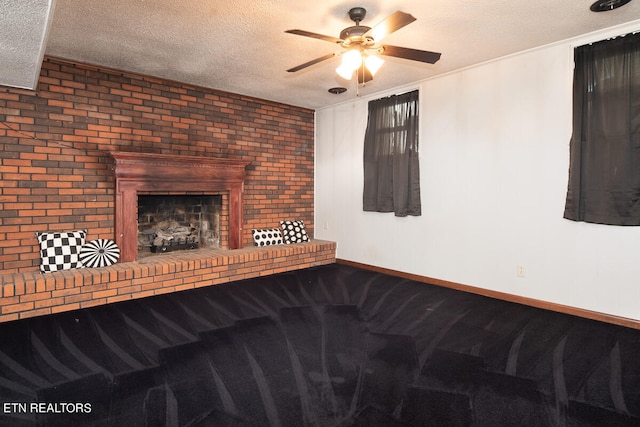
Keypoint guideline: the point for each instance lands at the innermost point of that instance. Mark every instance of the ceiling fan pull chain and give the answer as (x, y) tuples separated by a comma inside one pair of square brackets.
[(358, 78)]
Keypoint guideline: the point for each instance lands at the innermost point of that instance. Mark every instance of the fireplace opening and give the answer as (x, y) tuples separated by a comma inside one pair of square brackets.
[(155, 174), (178, 222)]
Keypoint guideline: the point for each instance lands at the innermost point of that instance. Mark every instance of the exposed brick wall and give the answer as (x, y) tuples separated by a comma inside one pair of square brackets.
[(56, 174)]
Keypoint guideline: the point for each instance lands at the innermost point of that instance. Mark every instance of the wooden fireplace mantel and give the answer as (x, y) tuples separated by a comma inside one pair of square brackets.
[(147, 173)]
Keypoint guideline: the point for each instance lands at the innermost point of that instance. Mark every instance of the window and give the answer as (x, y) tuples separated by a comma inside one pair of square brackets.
[(391, 168), (604, 170)]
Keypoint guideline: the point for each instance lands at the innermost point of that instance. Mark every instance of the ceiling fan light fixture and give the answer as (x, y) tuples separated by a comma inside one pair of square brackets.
[(352, 59), (344, 72), (373, 63), (361, 43)]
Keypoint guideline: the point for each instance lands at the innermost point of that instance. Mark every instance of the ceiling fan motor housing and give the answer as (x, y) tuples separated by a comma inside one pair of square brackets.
[(354, 34)]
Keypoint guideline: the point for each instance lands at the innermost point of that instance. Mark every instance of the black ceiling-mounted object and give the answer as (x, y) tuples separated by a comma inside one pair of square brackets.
[(337, 90), (368, 39), (606, 5)]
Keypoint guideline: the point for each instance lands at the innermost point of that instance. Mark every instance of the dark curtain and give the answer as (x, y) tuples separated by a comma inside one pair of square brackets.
[(604, 171), (391, 168)]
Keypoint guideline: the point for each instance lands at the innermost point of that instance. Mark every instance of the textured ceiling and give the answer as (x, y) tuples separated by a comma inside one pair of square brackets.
[(240, 46), (23, 33)]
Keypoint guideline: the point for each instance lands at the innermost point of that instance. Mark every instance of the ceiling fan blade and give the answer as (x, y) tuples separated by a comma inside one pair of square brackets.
[(392, 23), (314, 35), (408, 53), (312, 62)]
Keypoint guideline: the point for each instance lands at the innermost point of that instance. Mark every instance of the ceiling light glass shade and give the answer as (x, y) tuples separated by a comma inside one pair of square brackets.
[(344, 72), (352, 59), (373, 64)]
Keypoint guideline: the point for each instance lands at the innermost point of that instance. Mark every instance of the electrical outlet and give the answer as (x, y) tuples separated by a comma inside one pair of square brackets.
[(520, 271)]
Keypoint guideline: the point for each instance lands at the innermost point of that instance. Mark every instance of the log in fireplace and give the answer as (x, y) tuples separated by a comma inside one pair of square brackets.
[(147, 173)]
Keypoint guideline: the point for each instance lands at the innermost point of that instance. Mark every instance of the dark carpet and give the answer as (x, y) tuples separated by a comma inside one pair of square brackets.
[(327, 346)]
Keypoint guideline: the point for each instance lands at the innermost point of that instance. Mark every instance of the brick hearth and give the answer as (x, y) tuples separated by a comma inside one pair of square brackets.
[(35, 294)]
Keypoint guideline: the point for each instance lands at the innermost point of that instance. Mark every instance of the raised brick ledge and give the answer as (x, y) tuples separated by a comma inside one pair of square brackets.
[(35, 294)]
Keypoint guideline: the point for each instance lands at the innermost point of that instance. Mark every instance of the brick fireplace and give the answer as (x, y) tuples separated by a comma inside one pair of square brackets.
[(58, 175), (145, 173), (32, 294)]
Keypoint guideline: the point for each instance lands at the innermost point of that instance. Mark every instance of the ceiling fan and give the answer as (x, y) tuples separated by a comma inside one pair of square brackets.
[(361, 44)]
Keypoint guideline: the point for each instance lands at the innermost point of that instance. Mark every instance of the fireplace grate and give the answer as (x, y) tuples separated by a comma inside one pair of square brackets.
[(175, 245)]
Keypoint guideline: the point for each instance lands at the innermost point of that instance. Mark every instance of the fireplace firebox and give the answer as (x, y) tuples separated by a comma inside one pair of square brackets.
[(167, 222), (139, 174)]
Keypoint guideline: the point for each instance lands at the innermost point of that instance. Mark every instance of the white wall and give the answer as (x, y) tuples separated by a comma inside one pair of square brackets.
[(494, 158)]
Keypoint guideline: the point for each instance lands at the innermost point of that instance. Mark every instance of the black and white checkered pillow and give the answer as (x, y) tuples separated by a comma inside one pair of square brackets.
[(294, 232), (266, 236), (60, 250)]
